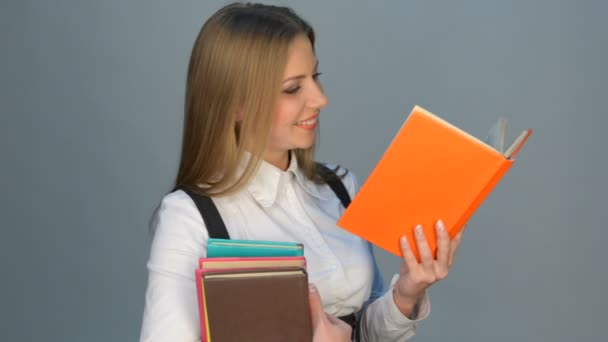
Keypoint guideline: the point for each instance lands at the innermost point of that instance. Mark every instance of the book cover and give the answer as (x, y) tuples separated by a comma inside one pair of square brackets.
[(432, 170), (252, 248), (254, 305)]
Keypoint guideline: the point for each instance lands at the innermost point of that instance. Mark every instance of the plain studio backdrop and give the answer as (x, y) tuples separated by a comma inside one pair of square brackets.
[(91, 96)]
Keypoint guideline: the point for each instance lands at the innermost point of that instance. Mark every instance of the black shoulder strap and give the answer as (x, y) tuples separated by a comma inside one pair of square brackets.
[(335, 183), (211, 216)]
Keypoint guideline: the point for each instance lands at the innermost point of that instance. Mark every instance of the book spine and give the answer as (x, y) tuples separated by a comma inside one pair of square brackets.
[(201, 307), (500, 172)]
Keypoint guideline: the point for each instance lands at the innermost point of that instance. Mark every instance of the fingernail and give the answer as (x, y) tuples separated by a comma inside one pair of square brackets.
[(312, 288), (440, 226), (419, 229), (403, 241)]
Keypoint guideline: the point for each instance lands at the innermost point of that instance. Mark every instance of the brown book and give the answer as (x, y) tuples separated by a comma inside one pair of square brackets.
[(256, 305)]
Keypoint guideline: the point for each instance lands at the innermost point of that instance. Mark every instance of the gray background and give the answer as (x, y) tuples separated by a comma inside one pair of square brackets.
[(91, 112)]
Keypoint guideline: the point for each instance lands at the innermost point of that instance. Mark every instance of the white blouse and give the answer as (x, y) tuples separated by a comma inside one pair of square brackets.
[(277, 206)]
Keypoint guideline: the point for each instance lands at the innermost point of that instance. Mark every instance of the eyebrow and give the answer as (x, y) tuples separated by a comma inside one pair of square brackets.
[(300, 76)]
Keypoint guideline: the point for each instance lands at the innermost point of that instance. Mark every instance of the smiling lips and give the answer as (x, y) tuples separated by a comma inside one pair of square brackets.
[(309, 123)]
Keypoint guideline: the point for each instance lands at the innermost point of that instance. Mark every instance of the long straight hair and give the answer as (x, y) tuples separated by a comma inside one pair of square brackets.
[(233, 83)]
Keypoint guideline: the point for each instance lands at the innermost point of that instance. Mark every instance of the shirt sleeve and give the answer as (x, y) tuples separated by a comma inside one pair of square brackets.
[(171, 306), (381, 320)]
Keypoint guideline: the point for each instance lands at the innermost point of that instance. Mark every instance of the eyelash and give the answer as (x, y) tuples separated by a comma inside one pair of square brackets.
[(292, 91)]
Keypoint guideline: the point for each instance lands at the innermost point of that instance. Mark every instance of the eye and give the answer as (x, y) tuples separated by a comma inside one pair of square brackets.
[(292, 90)]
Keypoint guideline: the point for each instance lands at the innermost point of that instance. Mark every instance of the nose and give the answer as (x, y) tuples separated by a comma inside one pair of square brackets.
[(317, 98)]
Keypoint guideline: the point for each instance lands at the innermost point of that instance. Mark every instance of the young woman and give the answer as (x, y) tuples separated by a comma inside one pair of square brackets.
[(253, 105)]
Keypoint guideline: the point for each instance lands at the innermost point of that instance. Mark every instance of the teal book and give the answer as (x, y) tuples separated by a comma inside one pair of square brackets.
[(219, 248)]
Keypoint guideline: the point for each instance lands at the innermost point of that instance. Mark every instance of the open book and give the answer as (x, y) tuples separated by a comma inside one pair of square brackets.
[(432, 170)]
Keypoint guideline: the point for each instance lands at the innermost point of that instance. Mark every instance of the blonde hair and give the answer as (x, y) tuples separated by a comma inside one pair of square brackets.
[(233, 82)]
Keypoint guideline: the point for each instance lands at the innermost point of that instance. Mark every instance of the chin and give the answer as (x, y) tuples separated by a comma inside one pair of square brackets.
[(304, 145)]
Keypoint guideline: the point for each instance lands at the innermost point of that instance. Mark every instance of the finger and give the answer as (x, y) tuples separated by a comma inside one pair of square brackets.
[(423, 248), (443, 244), (316, 306), (408, 256)]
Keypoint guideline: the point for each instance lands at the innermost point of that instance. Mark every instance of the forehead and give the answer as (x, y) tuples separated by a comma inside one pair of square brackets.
[(301, 57)]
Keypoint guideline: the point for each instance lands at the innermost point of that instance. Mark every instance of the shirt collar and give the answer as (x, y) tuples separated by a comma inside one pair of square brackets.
[(269, 180)]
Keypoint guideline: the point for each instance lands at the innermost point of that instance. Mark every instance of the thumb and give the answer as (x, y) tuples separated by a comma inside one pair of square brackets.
[(316, 306)]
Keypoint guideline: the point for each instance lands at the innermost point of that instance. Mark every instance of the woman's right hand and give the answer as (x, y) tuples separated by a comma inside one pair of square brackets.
[(326, 328)]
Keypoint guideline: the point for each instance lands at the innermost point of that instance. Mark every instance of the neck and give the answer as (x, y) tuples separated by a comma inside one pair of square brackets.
[(278, 159)]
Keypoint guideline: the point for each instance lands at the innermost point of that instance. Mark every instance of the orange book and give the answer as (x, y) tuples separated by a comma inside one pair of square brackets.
[(432, 170)]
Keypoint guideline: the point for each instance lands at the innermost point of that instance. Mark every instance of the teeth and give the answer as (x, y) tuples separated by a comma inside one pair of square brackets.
[(307, 122)]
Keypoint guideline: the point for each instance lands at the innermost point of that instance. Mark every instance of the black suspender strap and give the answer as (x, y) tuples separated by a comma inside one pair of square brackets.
[(335, 183), (211, 216)]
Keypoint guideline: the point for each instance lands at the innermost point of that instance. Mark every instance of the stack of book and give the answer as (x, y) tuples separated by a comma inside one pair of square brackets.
[(253, 291)]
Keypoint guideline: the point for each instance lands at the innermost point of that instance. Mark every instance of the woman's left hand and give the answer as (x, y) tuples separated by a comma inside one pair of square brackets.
[(415, 277)]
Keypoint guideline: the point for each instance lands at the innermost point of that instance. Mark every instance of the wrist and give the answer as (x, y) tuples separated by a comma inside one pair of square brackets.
[(405, 304)]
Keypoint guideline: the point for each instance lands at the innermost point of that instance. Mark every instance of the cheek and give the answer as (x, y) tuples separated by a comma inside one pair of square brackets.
[(286, 113), (279, 128)]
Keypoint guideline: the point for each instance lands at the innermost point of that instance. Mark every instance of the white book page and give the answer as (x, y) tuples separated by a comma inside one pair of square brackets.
[(496, 135)]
